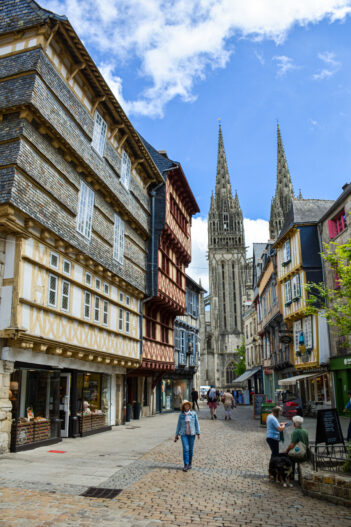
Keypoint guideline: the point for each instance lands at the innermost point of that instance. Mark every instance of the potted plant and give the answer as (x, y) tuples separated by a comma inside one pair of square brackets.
[(128, 412), (136, 410)]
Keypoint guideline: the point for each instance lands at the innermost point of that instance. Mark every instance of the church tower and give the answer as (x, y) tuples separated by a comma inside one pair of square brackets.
[(227, 277), (284, 192)]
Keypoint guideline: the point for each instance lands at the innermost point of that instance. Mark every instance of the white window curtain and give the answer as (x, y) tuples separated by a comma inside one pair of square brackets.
[(297, 331), (286, 252), (118, 242), (126, 167), (85, 210), (296, 286), (99, 134)]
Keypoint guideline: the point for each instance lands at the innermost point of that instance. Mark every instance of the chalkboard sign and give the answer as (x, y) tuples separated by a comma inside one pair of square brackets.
[(258, 399), (328, 427)]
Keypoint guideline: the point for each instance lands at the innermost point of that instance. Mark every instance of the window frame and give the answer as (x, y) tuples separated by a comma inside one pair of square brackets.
[(337, 224), (52, 253), (86, 202), (118, 239), (127, 322), (287, 298), (51, 275), (105, 312), (296, 285), (126, 170), (86, 305), (286, 253), (97, 309), (99, 134), (63, 282), (63, 267), (120, 319)]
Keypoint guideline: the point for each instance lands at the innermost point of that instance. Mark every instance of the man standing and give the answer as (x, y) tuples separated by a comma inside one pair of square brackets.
[(194, 398), (348, 407), (212, 401)]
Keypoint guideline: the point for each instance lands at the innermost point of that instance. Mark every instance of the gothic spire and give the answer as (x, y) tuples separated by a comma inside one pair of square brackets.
[(284, 185), (223, 186)]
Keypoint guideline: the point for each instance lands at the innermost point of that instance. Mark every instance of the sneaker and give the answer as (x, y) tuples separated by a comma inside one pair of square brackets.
[(190, 466), (185, 469), (215, 416)]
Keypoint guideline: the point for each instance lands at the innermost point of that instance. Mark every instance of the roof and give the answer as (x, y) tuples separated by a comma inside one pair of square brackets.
[(195, 284), (258, 249), (304, 212), (246, 375), (346, 192), (20, 14), (163, 163)]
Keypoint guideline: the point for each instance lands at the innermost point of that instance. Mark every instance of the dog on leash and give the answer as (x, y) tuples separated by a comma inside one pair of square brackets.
[(281, 470)]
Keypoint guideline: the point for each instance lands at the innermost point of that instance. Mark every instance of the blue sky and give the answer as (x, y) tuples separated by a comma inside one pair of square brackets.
[(177, 66)]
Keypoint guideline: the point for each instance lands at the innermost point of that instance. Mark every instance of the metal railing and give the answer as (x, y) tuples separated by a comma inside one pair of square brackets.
[(330, 458)]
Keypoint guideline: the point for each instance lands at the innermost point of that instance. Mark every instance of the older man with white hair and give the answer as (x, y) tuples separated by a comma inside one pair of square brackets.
[(299, 434)]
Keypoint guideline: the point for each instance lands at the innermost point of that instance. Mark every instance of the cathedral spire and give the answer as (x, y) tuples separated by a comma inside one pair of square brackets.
[(284, 192), (223, 186)]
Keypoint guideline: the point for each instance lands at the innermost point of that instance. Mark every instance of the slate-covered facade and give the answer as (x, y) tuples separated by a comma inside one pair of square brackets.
[(75, 223)]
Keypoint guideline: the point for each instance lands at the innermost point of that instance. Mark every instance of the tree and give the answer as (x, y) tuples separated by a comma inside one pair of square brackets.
[(241, 364), (334, 304)]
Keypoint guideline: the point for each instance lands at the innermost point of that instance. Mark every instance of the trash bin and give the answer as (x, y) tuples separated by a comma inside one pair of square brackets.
[(266, 409)]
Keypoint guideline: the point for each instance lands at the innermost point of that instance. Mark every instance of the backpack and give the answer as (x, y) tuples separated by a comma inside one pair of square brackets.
[(211, 398)]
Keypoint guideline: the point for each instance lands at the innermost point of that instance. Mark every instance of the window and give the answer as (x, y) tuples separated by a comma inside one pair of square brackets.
[(54, 260), (337, 224), (286, 253), (65, 295), (296, 287), (97, 309), (125, 177), (105, 313), (87, 302), (85, 210), (150, 324), (120, 319), (225, 221), (177, 339), (165, 261), (182, 340), (121, 297), (297, 332), (287, 291), (52, 298), (99, 134), (66, 268), (88, 278), (178, 215), (106, 289), (308, 332), (97, 283), (128, 300), (164, 329), (118, 239), (127, 322), (274, 294)]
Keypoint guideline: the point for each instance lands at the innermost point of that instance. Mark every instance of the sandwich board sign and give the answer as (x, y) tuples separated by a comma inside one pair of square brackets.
[(328, 427), (258, 399)]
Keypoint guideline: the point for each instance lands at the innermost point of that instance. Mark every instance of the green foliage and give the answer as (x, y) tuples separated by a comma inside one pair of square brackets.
[(347, 466), (334, 304), (241, 364)]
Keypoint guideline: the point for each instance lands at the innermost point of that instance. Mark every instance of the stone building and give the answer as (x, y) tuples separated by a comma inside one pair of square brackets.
[(227, 278), (75, 217), (334, 227)]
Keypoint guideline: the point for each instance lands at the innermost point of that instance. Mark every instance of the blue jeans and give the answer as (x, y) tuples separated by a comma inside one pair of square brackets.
[(188, 448)]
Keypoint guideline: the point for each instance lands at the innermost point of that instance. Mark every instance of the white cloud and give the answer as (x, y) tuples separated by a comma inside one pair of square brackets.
[(256, 231), (284, 64), (174, 44), (260, 57), (332, 66)]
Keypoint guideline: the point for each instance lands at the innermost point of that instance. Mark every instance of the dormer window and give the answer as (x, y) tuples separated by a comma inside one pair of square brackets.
[(99, 134)]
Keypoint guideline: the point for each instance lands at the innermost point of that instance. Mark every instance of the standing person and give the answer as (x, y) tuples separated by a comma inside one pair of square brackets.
[(228, 401), (212, 401), (187, 428), (273, 430), (348, 407), (194, 398)]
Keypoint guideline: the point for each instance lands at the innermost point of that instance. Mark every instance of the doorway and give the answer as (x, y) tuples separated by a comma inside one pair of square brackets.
[(65, 387)]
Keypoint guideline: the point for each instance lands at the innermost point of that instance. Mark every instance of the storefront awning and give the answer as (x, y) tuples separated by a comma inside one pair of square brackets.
[(292, 380), (246, 375)]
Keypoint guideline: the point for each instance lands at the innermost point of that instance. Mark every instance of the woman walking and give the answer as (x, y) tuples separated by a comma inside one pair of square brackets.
[(187, 428)]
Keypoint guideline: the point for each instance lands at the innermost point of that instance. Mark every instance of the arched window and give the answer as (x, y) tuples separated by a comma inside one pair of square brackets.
[(230, 372)]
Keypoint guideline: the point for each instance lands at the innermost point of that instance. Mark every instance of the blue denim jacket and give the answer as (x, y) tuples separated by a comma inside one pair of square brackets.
[(194, 424)]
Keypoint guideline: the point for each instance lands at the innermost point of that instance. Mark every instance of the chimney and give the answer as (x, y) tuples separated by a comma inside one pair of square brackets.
[(345, 186)]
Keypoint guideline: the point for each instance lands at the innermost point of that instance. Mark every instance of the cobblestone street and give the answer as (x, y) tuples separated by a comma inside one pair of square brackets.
[(227, 487)]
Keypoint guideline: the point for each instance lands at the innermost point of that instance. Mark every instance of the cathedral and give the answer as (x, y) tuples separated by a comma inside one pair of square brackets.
[(230, 271)]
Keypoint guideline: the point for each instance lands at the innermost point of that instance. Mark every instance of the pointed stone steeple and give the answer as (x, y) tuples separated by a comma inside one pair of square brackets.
[(284, 192), (223, 186)]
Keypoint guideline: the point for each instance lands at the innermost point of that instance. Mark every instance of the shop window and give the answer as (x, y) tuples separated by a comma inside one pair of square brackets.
[(106, 289), (296, 287), (286, 253), (337, 224), (85, 210), (88, 278), (66, 268), (287, 292), (53, 284), (118, 240), (126, 170), (127, 322), (120, 319), (54, 260), (87, 304), (99, 134), (65, 295), (97, 283), (97, 304), (93, 401), (105, 313)]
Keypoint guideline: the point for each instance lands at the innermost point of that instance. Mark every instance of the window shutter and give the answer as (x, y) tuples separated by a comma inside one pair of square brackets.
[(332, 229)]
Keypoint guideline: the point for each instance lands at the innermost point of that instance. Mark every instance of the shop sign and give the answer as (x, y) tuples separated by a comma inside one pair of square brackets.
[(268, 371), (339, 363), (285, 339)]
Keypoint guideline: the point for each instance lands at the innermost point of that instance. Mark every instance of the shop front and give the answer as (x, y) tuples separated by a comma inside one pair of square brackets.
[(174, 392), (313, 388), (341, 370)]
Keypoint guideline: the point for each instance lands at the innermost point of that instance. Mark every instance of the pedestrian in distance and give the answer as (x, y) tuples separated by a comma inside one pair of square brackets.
[(212, 399), (228, 402), (273, 430), (194, 398), (187, 428), (348, 407)]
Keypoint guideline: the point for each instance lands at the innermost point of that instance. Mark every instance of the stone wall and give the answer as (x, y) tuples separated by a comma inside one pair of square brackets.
[(6, 369), (329, 486)]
